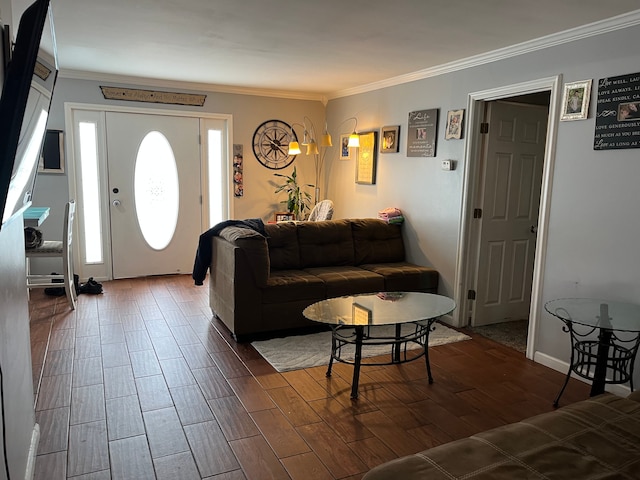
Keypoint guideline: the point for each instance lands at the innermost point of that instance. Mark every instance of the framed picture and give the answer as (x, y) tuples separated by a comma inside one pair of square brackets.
[(617, 113), (366, 163), (361, 315), (284, 217), (238, 182), (390, 142), (52, 157), (575, 100), (421, 133), (345, 151), (628, 112), (454, 125)]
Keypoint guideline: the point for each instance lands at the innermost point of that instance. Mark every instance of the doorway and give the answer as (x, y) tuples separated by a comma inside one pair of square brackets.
[(154, 193), (507, 217), (147, 183), (503, 236)]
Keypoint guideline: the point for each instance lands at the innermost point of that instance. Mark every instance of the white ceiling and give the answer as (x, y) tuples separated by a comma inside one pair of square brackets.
[(322, 46)]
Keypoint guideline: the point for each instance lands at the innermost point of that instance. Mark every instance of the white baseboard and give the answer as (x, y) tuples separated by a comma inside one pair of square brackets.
[(563, 367), (33, 451), (449, 320)]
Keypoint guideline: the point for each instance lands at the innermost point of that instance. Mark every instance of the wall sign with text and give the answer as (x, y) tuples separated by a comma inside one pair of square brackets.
[(421, 133), (618, 113)]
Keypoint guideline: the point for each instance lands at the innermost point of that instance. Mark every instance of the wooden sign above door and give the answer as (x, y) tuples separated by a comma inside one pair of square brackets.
[(152, 96)]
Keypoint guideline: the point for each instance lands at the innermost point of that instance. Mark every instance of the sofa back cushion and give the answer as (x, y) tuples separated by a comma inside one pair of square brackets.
[(376, 241), (325, 243), (282, 240)]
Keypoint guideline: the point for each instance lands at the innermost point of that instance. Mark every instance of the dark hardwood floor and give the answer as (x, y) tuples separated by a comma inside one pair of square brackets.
[(140, 382)]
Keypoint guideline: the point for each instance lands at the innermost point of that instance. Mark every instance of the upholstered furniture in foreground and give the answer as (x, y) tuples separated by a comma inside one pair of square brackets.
[(598, 438), (261, 285)]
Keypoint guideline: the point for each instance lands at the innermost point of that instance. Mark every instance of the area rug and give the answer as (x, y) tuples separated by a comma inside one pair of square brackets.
[(512, 334), (304, 351)]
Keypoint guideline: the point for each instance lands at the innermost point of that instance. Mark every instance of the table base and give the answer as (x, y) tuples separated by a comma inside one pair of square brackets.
[(592, 359), (399, 353)]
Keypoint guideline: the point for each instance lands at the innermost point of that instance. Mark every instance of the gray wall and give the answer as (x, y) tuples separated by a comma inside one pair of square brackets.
[(594, 221), (248, 112)]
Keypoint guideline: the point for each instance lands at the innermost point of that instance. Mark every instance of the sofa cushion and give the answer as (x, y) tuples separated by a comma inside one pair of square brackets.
[(376, 241), (595, 438), (325, 243), (287, 285), (404, 276), (283, 245), (347, 280)]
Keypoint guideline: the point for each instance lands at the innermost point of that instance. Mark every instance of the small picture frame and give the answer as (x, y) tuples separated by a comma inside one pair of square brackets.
[(628, 111), (284, 217), (345, 150), (575, 100), (453, 129), (52, 153), (390, 139)]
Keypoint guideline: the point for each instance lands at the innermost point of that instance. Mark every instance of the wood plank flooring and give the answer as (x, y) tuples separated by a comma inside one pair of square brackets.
[(140, 382)]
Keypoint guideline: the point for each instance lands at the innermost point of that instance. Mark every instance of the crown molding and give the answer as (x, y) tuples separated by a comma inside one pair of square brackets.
[(593, 29), (199, 87)]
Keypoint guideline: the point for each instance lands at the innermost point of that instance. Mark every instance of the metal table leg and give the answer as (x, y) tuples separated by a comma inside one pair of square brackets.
[(357, 361)]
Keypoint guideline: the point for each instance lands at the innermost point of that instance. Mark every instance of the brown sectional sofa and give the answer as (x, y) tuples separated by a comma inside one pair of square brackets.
[(598, 438), (260, 286)]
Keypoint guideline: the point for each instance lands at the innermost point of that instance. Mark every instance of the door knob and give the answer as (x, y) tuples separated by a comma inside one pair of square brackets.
[(116, 203)]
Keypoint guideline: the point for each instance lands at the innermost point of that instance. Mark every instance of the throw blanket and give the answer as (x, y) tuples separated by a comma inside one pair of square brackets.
[(203, 253)]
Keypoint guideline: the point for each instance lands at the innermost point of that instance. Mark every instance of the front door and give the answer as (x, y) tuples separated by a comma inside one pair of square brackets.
[(154, 193), (512, 171)]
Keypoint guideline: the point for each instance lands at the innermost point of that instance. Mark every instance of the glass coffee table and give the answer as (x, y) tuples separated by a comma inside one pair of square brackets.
[(353, 320)]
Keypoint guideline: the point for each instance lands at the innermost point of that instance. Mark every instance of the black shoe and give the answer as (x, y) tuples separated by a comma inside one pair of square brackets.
[(91, 287), (55, 291)]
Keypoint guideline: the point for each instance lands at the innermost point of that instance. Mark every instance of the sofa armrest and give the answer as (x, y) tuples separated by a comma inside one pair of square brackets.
[(233, 295), (254, 246)]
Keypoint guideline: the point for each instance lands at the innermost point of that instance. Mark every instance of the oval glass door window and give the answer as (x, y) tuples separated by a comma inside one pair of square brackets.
[(156, 190)]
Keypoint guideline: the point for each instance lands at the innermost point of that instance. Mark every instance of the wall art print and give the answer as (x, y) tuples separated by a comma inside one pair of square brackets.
[(618, 113), (238, 181), (390, 142), (421, 133), (575, 100)]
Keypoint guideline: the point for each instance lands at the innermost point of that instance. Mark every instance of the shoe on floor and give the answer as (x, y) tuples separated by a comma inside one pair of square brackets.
[(91, 287), (55, 291)]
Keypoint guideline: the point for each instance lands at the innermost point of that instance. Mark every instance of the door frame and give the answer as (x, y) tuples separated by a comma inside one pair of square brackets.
[(70, 142), (466, 258)]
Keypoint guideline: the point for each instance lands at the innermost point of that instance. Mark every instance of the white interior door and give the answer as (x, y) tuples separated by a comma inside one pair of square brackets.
[(154, 193), (513, 164)]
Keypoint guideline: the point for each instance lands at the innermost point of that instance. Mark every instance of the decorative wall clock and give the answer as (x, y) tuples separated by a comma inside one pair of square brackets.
[(271, 144)]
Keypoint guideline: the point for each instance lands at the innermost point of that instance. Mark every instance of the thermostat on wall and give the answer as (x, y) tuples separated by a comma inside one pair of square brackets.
[(447, 165)]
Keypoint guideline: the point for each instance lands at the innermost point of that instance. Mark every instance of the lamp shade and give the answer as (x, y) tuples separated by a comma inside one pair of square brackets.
[(354, 140), (312, 148), (294, 148), (325, 140)]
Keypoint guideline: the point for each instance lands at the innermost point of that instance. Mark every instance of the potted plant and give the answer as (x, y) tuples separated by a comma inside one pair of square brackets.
[(297, 199)]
